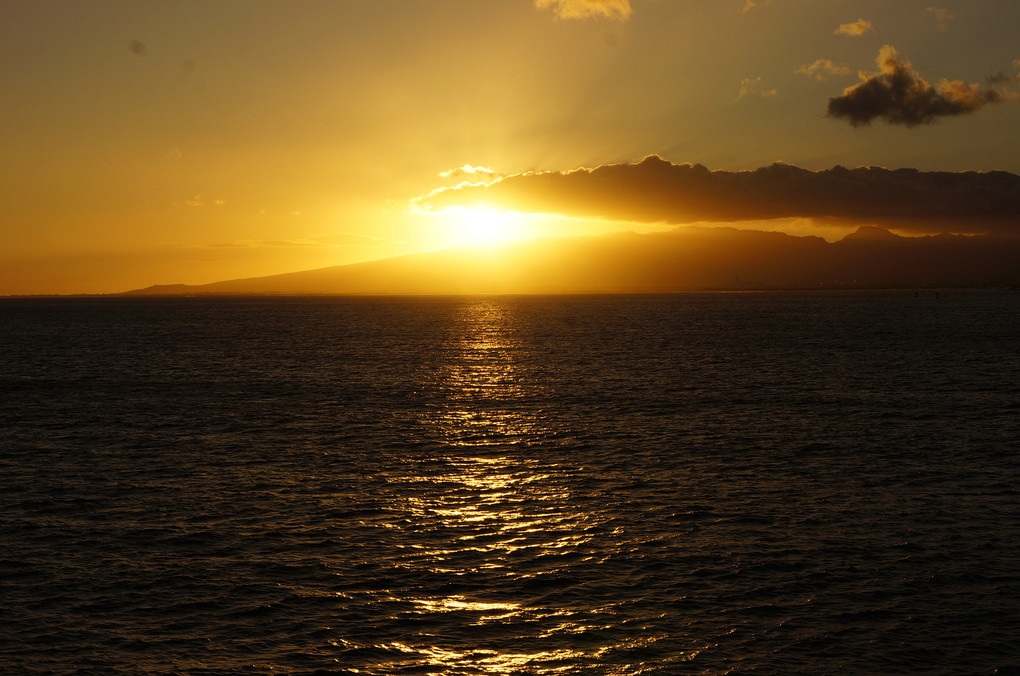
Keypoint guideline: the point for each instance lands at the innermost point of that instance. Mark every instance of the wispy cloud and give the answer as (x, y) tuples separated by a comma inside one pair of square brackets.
[(338, 240), (859, 27), (655, 190), (199, 201), (468, 172), (899, 95), (753, 86), (753, 4), (586, 9), (942, 18), (823, 69), (1000, 79)]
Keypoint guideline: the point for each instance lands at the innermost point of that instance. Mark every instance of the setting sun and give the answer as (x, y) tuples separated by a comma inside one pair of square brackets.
[(482, 225)]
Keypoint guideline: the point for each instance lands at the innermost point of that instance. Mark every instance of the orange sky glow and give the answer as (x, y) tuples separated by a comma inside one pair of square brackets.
[(191, 142)]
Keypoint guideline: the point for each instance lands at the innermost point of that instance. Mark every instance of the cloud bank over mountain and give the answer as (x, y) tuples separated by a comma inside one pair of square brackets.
[(655, 190)]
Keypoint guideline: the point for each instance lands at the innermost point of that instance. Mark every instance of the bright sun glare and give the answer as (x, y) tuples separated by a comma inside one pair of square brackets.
[(482, 225)]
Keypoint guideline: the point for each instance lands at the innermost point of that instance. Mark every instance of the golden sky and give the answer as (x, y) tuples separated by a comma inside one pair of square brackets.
[(192, 141)]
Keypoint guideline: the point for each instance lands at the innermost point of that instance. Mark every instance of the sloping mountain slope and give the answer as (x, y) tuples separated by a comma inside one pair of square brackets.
[(685, 259)]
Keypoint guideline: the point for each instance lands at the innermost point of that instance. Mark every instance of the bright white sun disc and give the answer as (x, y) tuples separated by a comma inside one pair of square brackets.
[(481, 225)]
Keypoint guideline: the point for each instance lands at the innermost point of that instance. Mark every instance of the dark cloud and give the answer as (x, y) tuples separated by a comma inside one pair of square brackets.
[(899, 95), (655, 190)]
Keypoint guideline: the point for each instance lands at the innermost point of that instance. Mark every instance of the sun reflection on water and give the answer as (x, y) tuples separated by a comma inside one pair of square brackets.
[(482, 383), (492, 526), (494, 662), (492, 550), (489, 529)]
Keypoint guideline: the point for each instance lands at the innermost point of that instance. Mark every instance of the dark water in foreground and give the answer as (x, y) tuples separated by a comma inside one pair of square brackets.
[(704, 484)]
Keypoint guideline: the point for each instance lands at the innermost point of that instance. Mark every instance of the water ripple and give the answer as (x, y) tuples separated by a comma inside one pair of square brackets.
[(761, 483)]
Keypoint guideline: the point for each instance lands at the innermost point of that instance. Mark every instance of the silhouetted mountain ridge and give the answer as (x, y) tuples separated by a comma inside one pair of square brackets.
[(686, 259), (872, 233)]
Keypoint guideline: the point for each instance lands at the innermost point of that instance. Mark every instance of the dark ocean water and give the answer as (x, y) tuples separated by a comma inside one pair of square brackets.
[(689, 484)]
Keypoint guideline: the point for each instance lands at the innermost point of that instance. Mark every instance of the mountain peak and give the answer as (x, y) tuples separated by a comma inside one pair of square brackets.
[(871, 233)]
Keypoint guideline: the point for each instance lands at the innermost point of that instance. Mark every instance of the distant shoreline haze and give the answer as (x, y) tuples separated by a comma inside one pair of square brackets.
[(686, 259)]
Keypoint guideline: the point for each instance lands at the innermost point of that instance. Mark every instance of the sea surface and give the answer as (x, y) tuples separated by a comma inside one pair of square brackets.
[(755, 483)]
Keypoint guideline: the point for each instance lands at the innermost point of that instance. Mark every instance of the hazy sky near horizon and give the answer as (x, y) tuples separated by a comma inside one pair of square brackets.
[(192, 141)]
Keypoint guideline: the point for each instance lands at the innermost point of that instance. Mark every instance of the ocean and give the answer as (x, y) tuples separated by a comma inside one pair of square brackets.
[(748, 483)]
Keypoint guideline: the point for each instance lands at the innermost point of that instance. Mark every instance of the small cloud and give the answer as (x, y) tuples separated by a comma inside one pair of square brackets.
[(586, 9), (467, 171), (137, 47), (859, 27), (900, 96), (174, 154), (199, 201), (753, 4), (941, 16), (823, 69), (752, 86), (1003, 80)]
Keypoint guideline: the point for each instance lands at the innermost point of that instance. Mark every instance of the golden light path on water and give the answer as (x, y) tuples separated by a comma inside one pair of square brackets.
[(500, 514)]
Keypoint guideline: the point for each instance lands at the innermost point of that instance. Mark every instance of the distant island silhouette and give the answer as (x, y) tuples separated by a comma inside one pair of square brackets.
[(691, 258)]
